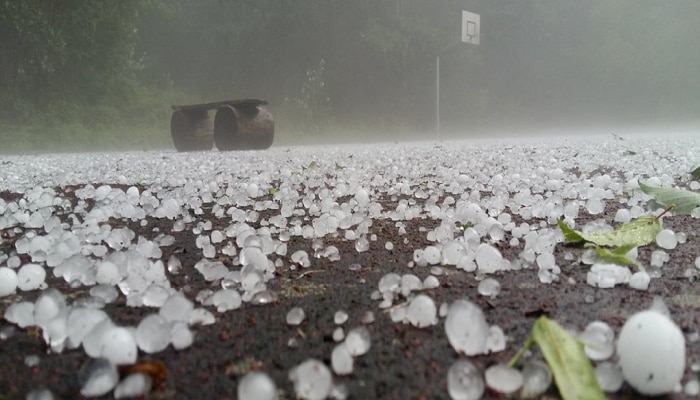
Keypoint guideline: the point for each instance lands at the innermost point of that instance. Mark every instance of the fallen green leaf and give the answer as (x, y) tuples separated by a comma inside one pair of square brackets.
[(271, 191), (696, 173), (618, 255), (338, 166), (564, 354), (312, 165), (638, 232), (683, 201)]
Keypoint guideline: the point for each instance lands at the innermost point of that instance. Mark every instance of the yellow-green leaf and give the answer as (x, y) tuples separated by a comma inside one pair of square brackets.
[(618, 255), (683, 201), (638, 232), (564, 354)]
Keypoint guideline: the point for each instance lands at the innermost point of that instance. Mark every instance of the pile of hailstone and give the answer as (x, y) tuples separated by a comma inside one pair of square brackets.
[(493, 190)]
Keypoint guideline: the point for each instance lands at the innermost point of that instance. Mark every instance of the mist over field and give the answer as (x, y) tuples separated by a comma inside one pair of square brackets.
[(102, 75)]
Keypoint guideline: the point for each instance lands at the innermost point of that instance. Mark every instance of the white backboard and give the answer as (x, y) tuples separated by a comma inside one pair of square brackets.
[(470, 27)]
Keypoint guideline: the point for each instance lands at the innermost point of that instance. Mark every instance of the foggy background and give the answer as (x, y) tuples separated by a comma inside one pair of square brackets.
[(102, 74)]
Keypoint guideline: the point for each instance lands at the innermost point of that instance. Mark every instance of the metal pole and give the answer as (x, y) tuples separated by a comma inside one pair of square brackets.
[(437, 96)]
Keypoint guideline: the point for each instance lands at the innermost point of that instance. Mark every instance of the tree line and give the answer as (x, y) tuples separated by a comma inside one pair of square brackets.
[(363, 64)]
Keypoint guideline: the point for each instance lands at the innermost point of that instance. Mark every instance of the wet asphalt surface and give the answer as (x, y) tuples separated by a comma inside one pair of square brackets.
[(404, 362)]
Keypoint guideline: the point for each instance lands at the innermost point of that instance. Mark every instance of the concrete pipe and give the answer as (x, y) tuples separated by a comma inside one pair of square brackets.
[(243, 127), (191, 130)]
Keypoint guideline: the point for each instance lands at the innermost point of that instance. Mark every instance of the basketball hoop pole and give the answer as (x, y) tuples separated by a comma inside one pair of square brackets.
[(437, 97), (470, 34)]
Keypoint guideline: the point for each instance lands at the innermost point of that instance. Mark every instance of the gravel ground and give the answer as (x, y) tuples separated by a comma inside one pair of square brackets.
[(404, 362)]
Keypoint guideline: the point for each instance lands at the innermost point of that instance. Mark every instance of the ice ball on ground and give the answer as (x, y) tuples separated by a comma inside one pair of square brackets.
[(295, 316), (464, 381), (659, 258), (367, 317), (8, 281), (257, 385), (341, 360), (431, 255), (153, 333), (623, 215), (40, 394), (31, 276), (496, 341), (609, 376), (422, 311), (107, 273), (174, 265), (177, 308), (390, 283), (692, 387), (80, 322), (651, 351), (55, 332), (301, 258), (431, 282), (361, 244), (93, 340), (666, 239), (21, 313), (488, 258), (362, 197), (503, 379), (311, 380), (201, 316), (640, 280), (48, 306), (452, 251), (340, 317), (155, 295), (97, 377), (226, 299), (466, 328), (546, 261), (107, 293), (119, 346), (598, 340), (595, 206), (536, 379), (181, 335), (489, 287), (606, 276), (409, 283), (358, 341), (134, 385)]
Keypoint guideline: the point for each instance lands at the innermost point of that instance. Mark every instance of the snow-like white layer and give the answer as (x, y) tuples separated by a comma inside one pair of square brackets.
[(482, 193)]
